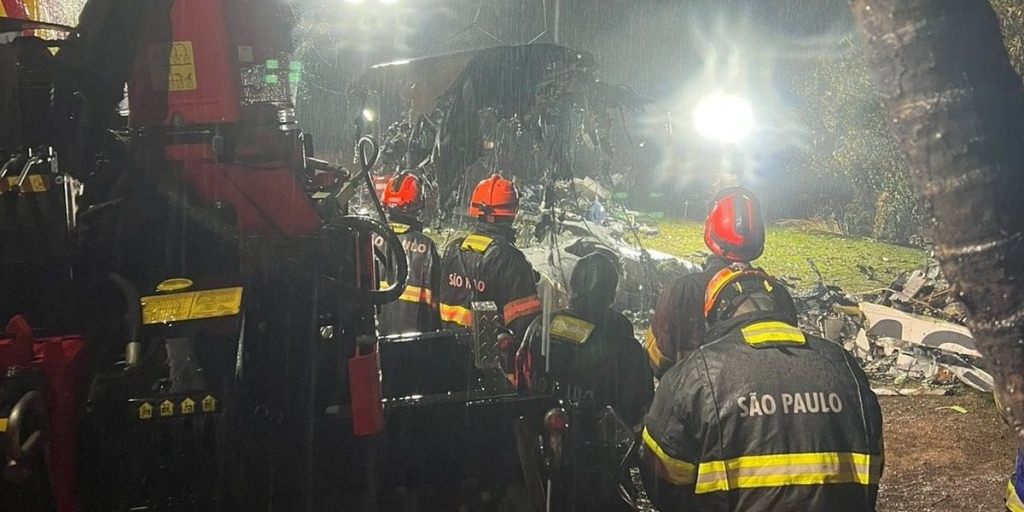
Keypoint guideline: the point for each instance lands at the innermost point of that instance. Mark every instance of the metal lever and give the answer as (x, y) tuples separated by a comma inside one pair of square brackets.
[(7, 165), (32, 400), (28, 166)]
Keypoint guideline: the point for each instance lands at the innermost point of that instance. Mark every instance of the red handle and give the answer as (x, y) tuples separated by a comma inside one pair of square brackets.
[(364, 384)]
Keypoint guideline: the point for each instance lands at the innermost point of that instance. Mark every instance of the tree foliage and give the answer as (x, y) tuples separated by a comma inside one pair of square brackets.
[(852, 153), (851, 149), (1011, 22)]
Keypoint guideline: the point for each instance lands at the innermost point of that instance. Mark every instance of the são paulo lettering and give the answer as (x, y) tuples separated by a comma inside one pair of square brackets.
[(789, 403)]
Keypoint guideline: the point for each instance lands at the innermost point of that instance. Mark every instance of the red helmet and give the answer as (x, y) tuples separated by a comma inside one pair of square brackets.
[(403, 193), (494, 196), (734, 229)]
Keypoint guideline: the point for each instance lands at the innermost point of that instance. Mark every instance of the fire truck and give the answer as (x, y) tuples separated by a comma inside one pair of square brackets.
[(190, 300)]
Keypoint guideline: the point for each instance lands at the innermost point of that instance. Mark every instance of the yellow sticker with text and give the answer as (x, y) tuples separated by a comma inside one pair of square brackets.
[(145, 411), (188, 406), (167, 408), (172, 66), (178, 307)]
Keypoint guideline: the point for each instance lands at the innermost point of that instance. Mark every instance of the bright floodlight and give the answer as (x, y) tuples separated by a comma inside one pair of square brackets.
[(368, 115), (724, 117), (354, 1), (389, 2)]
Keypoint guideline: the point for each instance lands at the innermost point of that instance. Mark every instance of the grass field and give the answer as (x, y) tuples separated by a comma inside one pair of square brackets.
[(788, 248)]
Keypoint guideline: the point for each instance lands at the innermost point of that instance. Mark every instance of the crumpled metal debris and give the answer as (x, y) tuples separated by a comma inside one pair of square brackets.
[(910, 333)]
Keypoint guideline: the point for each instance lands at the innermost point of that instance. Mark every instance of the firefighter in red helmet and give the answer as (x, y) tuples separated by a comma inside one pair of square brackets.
[(487, 266), (416, 310), (734, 232)]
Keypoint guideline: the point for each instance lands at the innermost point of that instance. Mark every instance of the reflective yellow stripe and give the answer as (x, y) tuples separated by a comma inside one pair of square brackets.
[(476, 243), (413, 293), (676, 471), (521, 307), (399, 228), (767, 332), (417, 294), (456, 314), (1013, 502), (653, 350), (788, 469)]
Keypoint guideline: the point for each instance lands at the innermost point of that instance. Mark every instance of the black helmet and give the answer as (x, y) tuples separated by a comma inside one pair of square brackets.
[(594, 280), (738, 289)]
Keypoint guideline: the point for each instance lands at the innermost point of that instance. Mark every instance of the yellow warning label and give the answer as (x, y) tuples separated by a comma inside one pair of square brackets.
[(209, 404), (188, 406), (177, 307), (172, 66), (37, 183), (33, 183), (167, 408), (145, 411), (3, 424)]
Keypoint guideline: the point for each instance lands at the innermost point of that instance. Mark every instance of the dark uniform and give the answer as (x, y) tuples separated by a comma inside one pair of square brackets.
[(417, 308), (485, 266), (593, 357), (678, 326), (1015, 487), (766, 418)]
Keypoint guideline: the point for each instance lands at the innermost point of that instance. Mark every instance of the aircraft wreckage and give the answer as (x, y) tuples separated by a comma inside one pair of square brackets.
[(528, 112)]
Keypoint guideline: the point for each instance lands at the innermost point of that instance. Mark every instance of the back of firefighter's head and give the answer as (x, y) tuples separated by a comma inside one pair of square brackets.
[(403, 195), (739, 290), (734, 228), (593, 281), (495, 199)]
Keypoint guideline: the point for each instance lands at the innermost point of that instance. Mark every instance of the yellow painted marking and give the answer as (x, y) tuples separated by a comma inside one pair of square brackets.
[(162, 309)]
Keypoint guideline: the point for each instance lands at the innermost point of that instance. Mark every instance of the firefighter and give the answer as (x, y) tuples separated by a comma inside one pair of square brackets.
[(487, 266), (1015, 487), (765, 417), (416, 310), (594, 355), (733, 232)]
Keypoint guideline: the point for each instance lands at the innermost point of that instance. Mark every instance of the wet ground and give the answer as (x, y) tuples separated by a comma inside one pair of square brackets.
[(940, 460)]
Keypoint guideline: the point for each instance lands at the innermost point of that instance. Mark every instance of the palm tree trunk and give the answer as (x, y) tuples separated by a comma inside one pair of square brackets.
[(956, 107)]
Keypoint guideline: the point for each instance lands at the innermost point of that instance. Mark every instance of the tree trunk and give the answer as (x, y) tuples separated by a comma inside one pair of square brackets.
[(957, 108)]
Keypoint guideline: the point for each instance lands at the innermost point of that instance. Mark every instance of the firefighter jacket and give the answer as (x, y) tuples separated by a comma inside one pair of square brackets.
[(1015, 487), (678, 326), (594, 356), (416, 310), (766, 418), (485, 266)]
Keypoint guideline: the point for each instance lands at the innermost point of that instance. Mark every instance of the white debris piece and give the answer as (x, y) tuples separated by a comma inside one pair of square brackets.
[(919, 330)]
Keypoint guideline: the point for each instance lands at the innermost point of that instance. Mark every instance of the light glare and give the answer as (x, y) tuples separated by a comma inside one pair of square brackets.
[(724, 117), (368, 115)]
